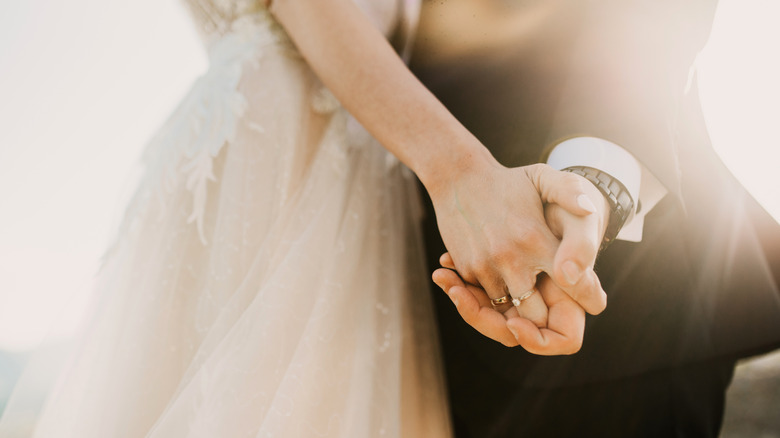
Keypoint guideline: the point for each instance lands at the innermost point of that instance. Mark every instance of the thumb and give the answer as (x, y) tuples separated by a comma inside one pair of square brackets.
[(563, 188), (575, 257)]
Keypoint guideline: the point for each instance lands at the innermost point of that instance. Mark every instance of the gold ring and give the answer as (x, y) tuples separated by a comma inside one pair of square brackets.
[(519, 300), (498, 301)]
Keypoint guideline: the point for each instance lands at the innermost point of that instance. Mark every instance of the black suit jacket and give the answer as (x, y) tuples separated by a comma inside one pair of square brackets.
[(702, 284)]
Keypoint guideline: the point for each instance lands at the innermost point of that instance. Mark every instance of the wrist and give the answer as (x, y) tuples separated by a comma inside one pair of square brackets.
[(620, 203), (441, 173)]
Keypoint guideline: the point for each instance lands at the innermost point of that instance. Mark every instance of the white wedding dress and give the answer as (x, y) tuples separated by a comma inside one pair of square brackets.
[(268, 278)]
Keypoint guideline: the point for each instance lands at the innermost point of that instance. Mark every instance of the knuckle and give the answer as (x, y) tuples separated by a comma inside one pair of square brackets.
[(536, 172), (502, 253), (531, 238), (538, 167), (480, 269)]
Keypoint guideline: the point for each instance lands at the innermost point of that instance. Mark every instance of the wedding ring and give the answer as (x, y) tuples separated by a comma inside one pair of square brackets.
[(519, 300), (498, 301)]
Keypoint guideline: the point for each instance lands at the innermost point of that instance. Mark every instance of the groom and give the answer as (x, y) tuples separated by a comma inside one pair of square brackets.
[(691, 280)]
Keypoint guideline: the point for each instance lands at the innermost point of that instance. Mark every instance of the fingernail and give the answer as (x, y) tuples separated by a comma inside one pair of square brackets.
[(455, 301), (585, 203), (514, 332), (571, 272)]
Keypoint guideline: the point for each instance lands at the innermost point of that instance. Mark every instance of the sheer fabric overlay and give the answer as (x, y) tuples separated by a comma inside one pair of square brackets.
[(268, 279)]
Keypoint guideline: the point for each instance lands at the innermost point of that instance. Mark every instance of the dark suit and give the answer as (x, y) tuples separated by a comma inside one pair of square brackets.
[(697, 293)]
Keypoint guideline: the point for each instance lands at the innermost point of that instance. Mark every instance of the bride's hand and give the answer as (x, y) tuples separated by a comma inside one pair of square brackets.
[(565, 320), (493, 224)]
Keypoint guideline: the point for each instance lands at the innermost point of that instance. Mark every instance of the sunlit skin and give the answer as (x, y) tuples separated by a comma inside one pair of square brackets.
[(549, 320), (738, 74), (455, 29)]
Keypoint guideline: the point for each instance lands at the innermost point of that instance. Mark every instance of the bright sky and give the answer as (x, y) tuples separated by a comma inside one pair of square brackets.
[(84, 83), (739, 75)]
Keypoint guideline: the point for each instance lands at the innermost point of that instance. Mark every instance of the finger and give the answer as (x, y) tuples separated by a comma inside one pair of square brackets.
[(452, 277), (484, 277), (563, 188), (530, 304), (588, 293), (534, 309), (580, 236), (541, 341), (446, 261), (576, 256), (447, 279), (577, 278), (520, 277), (485, 320), (566, 325), (473, 305), (497, 292), (565, 317), (493, 285)]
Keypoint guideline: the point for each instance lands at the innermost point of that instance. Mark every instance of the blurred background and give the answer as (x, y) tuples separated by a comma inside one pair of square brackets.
[(84, 84)]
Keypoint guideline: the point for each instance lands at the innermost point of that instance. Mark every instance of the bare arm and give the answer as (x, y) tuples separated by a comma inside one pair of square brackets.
[(360, 67), (491, 218)]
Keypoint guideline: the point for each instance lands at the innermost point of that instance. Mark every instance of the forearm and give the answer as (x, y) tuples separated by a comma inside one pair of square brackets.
[(355, 61), (490, 217)]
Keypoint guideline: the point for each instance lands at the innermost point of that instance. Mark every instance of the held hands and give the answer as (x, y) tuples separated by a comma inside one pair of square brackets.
[(514, 231), (491, 218)]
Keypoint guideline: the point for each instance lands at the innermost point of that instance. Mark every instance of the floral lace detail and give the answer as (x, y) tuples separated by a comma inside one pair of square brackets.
[(207, 118), (236, 33)]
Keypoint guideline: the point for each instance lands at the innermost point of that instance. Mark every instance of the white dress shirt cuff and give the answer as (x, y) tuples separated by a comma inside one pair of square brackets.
[(608, 157)]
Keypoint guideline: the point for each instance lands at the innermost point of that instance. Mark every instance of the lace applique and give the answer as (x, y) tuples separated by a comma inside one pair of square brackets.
[(236, 33), (207, 118)]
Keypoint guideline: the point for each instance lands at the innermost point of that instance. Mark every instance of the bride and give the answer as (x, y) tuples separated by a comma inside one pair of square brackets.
[(268, 277)]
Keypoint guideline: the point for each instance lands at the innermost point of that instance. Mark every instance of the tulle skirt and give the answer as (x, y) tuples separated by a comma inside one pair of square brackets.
[(268, 279)]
